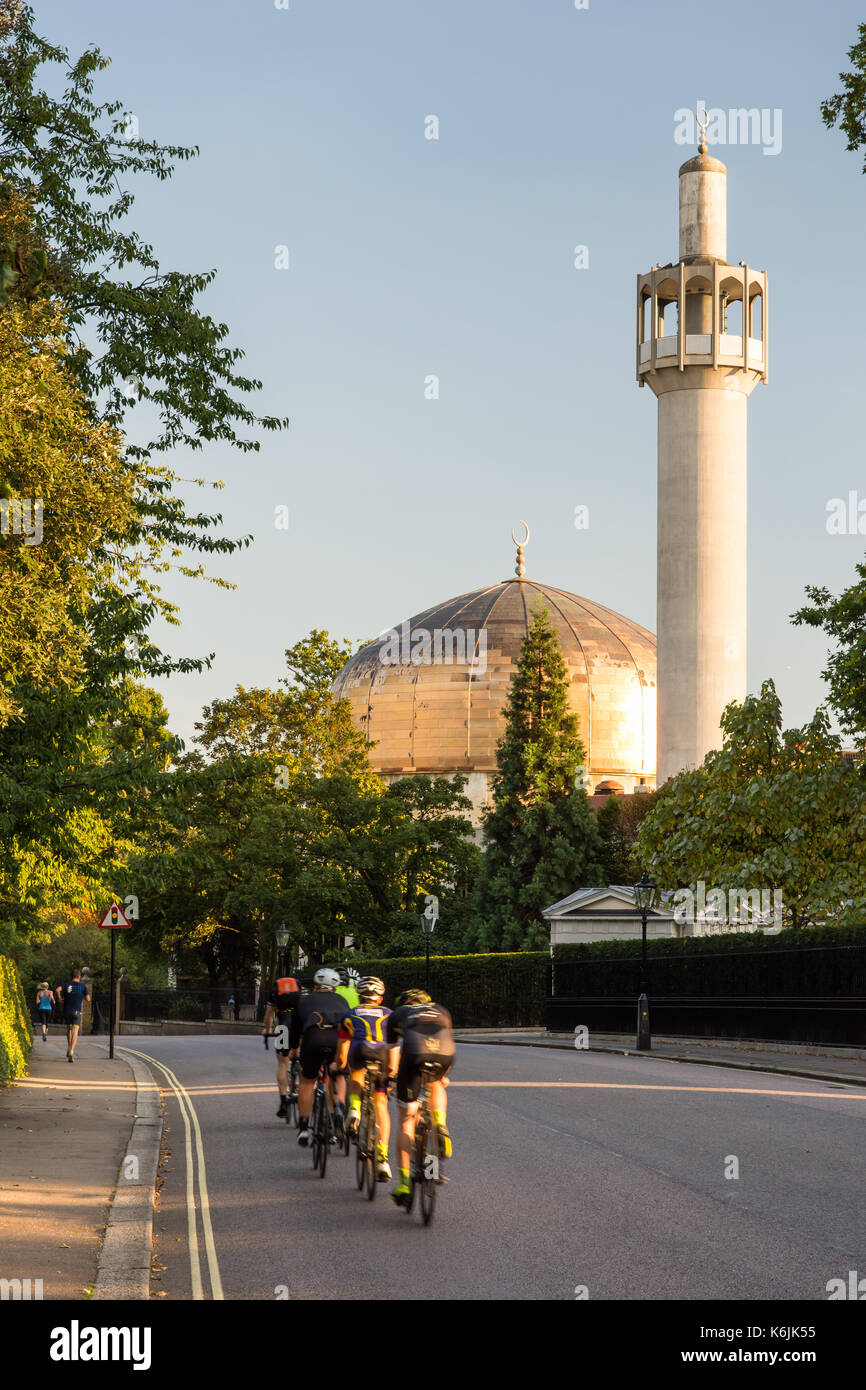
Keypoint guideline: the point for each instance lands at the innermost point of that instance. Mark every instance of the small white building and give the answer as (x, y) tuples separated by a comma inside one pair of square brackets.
[(607, 914)]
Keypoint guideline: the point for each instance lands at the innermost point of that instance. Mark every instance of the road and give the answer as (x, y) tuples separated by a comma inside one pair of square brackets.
[(575, 1174)]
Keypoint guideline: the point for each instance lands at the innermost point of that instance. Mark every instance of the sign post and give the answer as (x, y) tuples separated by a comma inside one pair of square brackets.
[(113, 918)]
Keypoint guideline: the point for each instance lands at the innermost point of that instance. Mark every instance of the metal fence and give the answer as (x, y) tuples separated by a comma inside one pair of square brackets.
[(803, 994)]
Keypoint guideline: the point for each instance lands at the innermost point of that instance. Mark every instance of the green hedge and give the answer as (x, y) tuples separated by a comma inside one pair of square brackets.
[(16, 1038), (792, 937), (481, 991)]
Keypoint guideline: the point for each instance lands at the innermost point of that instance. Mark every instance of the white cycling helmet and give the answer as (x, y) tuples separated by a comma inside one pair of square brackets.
[(326, 978)]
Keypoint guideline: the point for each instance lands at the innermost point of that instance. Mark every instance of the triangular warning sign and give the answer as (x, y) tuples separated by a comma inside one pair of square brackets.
[(114, 916)]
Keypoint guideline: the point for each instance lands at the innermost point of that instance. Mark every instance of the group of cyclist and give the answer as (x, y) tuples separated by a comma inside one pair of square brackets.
[(341, 1029)]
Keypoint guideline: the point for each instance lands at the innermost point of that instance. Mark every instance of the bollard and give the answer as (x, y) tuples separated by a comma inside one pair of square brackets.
[(644, 1041)]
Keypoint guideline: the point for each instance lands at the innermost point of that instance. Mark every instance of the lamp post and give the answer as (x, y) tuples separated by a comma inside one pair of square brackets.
[(428, 921), (282, 938), (644, 892)]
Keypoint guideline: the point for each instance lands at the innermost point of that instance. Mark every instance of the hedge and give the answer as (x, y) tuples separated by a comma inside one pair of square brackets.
[(480, 991), (16, 1038)]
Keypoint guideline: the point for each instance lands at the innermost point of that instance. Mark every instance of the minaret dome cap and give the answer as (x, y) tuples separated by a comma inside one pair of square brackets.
[(703, 164)]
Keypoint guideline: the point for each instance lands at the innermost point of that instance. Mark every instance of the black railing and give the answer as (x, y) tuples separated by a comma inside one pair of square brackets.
[(808, 994)]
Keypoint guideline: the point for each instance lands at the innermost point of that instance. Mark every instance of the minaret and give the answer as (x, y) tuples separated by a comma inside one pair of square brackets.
[(701, 347)]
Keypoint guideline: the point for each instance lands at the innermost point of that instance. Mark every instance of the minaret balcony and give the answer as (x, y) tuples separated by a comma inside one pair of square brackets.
[(704, 314)]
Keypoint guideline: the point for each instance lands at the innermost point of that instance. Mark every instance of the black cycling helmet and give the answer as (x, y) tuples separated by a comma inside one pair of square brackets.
[(414, 996), (343, 973)]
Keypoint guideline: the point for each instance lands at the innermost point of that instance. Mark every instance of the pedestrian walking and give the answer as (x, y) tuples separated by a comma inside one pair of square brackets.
[(71, 997), (45, 1007)]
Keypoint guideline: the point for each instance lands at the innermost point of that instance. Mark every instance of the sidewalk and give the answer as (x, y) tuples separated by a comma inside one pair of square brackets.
[(63, 1132), (846, 1065)]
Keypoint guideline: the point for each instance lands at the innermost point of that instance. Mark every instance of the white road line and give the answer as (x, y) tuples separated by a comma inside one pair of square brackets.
[(185, 1102)]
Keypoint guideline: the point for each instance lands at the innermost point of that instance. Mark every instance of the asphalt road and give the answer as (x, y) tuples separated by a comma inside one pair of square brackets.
[(572, 1171)]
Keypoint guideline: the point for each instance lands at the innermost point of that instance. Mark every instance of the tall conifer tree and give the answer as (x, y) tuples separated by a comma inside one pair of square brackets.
[(541, 841)]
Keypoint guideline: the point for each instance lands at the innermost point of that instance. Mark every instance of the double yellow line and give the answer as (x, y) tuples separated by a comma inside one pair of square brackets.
[(191, 1125)]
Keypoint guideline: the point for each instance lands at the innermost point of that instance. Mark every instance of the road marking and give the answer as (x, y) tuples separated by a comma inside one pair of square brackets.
[(207, 1229), (643, 1086)]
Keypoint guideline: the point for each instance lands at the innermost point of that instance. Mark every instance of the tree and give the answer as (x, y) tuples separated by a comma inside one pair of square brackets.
[(618, 823), (276, 816), (771, 810), (64, 487), (843, 619), (541, 841), (847, 109)]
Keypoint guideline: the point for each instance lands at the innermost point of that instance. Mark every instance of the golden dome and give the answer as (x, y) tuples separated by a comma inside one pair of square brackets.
[(431, 694)]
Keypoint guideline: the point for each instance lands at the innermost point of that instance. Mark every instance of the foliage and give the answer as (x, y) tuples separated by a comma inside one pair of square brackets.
[(843, 619), (769, 810), (16, 1036), (276, 816), (847, 109), (541, 841), (479, 991), (618, 823)]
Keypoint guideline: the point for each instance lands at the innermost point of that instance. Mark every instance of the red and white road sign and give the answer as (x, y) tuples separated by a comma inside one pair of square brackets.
[(114, 916)]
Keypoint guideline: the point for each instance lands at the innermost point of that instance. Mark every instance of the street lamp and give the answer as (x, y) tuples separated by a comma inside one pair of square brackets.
[(644, 892), (428, 920), (282, 938)]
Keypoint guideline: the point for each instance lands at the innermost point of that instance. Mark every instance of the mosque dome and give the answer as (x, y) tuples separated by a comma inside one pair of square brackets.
[(431, 694)]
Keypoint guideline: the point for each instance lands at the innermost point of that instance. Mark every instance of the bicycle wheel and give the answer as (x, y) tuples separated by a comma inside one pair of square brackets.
[(373, 1133), (315, 1127), (360, 1145), (429, 1168), (325, 1131)]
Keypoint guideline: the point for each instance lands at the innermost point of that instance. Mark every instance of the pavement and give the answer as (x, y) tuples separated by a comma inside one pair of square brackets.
[(64, 1130), (79, 1148)]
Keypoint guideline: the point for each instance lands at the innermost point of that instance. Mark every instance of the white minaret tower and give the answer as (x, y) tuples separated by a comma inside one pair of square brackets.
[(701, 347)]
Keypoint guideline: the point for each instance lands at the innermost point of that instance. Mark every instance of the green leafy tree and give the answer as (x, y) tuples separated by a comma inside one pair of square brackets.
[(843, 619), (847, 109), (770, 810), (541, 840), (618, 823)]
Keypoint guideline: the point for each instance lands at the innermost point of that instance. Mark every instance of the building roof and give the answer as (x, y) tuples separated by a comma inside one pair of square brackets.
[(446, 716)]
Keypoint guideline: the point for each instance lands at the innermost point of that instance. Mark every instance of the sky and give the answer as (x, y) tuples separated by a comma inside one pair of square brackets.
[(411, 257)]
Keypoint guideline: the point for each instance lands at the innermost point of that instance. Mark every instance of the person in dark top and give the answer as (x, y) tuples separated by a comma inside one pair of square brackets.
[(313, 1035), (281, 1003), (71, 997), (425, 1031)]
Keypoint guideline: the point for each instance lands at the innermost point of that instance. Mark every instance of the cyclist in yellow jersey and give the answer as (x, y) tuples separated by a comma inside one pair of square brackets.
[(362, 1040)]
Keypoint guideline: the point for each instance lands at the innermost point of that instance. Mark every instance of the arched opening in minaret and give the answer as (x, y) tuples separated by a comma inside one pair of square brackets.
[(732, 316), (756, 316)]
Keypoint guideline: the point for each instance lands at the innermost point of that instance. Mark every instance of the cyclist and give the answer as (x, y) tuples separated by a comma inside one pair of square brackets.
[(281, 1003), (426, 1033), (313, 1035), (362, 1040), (346, 988)]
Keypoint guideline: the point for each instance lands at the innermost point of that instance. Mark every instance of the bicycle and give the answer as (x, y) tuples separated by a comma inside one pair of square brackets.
[(292, 1115), (321, 1122), (294, 1082), (367, 1141), (424, 1174)]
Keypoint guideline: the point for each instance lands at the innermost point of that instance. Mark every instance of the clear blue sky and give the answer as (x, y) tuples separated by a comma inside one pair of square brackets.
[(455, 257)]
